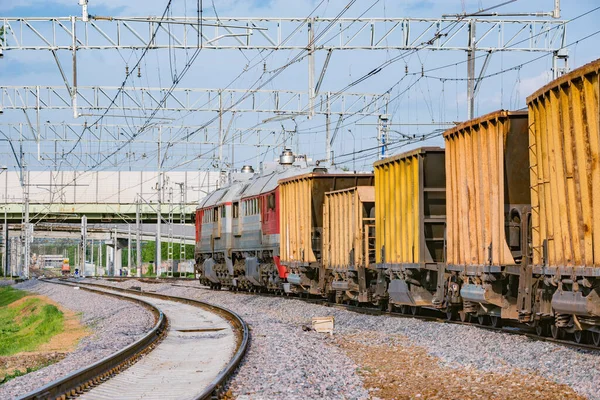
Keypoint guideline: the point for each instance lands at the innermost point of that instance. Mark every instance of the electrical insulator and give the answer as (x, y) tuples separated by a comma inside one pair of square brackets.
[(126, 70), (265, 67), (422, 70), (139, 72), (406, 68)]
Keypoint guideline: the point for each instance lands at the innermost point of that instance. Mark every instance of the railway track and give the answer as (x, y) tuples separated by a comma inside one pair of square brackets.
[(189, 354), (427, 315)]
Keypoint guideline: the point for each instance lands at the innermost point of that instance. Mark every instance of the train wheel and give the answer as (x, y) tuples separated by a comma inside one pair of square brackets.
[(496, 322), (596, 338), (450, 314), (404, 309), (556, 332), (464, 316), (331, 297), (390, 306), (414, 310), (541, 328), (580, 337), (482, 319)]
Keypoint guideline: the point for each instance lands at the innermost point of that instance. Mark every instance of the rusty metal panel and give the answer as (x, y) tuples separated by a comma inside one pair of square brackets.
[(486, 178), (346, 216), (295, 220), (565, 174), (410, 207), (301, 219)]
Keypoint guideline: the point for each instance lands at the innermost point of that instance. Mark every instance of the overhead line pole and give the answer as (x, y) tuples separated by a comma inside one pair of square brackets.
[(74, 85), (138, 235), (471, 72), (128, 249), (83, 245), (159, 187), (311, 67)]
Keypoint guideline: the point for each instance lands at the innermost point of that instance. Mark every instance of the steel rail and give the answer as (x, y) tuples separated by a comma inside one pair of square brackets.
[(239, 326), (84, 378), (516, 330)]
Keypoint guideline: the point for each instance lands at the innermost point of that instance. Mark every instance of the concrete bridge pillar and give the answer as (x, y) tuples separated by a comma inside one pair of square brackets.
[(113, 258)]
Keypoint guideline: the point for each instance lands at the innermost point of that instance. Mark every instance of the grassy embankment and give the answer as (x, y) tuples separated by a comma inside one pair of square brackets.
[(25, 325)]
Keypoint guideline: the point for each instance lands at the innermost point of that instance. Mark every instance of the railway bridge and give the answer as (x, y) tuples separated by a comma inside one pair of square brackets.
[(118, 206)]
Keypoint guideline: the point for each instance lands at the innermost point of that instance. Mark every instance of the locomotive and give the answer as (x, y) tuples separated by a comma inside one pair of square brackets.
[(238, 229), (501, 225)]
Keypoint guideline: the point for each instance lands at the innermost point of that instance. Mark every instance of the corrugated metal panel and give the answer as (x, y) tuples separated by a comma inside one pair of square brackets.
[(301, 223), (296, 221), (486, 175), (409, 212), (565, 175), (345, 214)]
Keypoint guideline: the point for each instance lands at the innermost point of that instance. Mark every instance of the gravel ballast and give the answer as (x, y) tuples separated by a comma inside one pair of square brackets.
[(286, 362), (113, 323)]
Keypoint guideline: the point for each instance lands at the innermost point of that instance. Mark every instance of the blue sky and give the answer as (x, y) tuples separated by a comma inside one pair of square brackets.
[(428, 100)]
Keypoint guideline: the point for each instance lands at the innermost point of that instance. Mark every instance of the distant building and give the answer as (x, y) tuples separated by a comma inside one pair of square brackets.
[(47, 261)]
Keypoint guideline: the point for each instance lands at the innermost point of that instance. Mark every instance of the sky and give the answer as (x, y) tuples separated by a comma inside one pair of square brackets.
[(421, 103)]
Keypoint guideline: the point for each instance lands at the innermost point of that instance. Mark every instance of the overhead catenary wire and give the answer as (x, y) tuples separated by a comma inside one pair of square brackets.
[(516, 43), (364, 78), (423, 73), (144, 52), (249, 92)]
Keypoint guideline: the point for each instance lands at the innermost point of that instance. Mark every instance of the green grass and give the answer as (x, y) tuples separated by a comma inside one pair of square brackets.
[(27, 326), (9, 295)]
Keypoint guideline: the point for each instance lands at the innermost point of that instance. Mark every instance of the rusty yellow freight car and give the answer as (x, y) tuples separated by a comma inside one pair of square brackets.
[(301, 223), (410, 207), (348, 241), (347, 218), (488, 202), (487, 177), (410, 211), (564, 153), (565, 171)]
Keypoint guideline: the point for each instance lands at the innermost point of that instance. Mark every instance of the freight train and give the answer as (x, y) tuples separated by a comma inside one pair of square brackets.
[(501, 225)]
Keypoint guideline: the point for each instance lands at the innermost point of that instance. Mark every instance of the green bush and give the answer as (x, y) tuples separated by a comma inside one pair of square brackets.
[(150, 271)]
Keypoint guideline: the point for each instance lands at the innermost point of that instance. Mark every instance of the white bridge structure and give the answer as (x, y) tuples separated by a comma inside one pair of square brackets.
[(102, 196)]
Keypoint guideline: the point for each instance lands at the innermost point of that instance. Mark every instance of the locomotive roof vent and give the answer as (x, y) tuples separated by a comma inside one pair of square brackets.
[(287, 157), (247, 169)]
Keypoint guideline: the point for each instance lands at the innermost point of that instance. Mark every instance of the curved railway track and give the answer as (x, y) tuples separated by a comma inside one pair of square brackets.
[(164, 354), (427, 314)]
